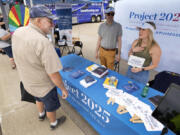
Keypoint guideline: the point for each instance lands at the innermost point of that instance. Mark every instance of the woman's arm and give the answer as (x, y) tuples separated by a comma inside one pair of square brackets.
[(132, 47), (155, 53)]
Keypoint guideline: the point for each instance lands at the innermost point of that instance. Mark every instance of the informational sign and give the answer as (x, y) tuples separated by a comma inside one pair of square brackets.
[(166, 16), (135, 61), (64, 12)]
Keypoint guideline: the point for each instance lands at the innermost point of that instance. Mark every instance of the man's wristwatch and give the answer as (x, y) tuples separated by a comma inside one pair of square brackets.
[(143, 69)]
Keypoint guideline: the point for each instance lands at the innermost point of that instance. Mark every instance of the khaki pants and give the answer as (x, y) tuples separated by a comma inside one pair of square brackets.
[(107, 58)]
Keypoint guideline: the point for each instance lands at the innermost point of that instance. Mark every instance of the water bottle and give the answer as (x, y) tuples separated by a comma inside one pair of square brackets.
[(145, 90)]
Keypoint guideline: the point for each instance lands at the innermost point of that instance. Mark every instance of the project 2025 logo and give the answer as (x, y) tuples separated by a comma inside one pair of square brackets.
[(168, 17)]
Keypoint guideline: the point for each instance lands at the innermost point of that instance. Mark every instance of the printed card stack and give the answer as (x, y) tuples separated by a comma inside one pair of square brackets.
[(110, 85), (98, 71), (88, 81)]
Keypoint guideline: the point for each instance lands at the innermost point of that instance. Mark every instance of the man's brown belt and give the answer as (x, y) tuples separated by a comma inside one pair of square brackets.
[(108, 49)]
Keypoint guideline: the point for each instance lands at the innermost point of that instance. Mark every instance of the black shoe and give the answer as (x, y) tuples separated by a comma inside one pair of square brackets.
[(60, 121), (41, 118)]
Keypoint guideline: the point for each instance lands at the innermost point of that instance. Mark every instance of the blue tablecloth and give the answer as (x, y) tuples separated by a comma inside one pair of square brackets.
[(91, 102)]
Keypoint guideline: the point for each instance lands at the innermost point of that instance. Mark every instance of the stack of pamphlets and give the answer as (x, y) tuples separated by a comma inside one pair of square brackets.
[(131, 87), (92, 67), (110, 85), (77, 74), (98, 71), (87, 81)]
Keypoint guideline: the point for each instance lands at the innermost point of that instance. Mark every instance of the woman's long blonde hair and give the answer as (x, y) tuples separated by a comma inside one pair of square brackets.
[(151, 40)]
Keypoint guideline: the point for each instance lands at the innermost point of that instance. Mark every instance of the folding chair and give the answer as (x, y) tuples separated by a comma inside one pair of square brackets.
[(65, 46), (77, 48)]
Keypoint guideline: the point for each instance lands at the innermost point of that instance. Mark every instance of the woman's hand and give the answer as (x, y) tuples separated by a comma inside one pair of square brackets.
[(138, 49), (136, 70)]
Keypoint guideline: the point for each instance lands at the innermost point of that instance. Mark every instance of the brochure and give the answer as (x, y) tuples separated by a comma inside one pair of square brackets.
[(131, 87), (100, 72), (107, 83), (77, 74), (67, 69), (87, 81), (136, 61), (92, 67)]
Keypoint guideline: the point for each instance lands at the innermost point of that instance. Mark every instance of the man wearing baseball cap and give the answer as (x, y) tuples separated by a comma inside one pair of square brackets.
[(110, 34), (38, 64)]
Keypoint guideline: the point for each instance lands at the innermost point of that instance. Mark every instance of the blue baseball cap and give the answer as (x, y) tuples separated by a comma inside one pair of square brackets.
[(108, 10), (42, 11)]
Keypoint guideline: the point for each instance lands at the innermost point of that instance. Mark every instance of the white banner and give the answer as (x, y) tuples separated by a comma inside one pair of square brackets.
[(166, 16)]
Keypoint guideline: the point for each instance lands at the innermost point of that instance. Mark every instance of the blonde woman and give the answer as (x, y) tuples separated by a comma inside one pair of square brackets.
[(145, 47)]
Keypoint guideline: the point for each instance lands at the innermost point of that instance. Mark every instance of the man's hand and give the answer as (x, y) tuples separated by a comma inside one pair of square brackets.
[(118, 58), (57, 80), (64, 94), (97, 55)]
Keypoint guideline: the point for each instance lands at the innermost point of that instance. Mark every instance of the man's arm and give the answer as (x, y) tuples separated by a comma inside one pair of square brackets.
[(6, 37), (119, 48), (98, 46), (1, 23), (57, 80)]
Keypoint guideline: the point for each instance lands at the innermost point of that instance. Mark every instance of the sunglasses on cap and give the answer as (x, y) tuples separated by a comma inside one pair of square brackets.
[(110, 14)]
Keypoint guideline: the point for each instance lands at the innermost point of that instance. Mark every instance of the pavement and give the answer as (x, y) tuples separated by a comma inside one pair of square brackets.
[(21, 118)]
